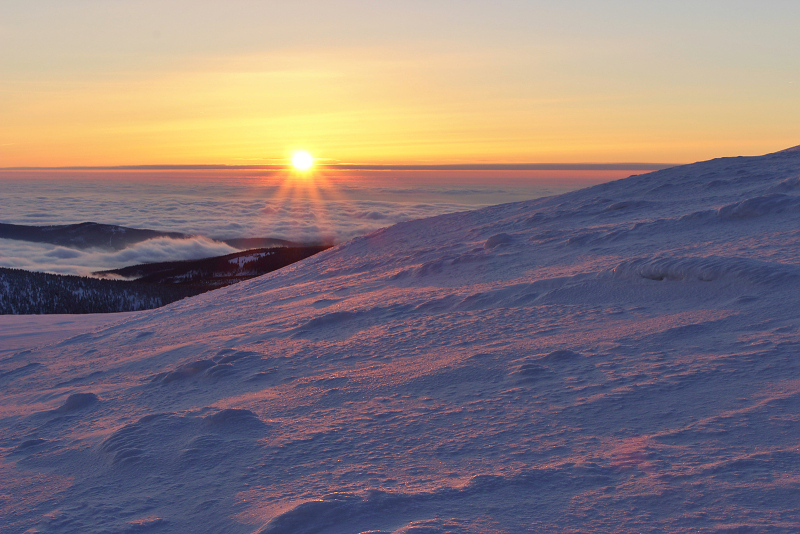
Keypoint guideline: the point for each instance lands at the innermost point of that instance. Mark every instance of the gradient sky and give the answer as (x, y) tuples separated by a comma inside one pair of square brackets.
[(111, 82)]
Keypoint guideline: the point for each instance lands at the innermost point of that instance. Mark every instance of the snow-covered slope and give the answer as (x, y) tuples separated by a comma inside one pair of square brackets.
[(624, 358)]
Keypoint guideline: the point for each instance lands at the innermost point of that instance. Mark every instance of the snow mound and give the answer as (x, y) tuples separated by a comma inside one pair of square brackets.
[(760, 206), (184, 371), (497, 240), (380, 511), (706, 269), (788, 185), (621, 358), (77, 401), (234, 420)]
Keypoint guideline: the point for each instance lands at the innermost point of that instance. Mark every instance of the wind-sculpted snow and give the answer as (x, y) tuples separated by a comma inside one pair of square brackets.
[(622, 358), (343, 512), (76, 401), (708, 269), (760, 206)]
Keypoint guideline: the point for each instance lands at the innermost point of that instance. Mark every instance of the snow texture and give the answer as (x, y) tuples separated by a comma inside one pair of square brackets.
[(623, 358)]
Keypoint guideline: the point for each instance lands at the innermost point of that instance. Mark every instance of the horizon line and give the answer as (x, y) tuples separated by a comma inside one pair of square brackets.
[(373, 167)]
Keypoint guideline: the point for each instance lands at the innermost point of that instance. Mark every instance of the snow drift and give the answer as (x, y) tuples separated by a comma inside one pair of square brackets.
[(621, 358)]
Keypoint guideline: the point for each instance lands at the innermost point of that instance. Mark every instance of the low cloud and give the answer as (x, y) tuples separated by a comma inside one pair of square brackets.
[(224, 207), (62, 260)]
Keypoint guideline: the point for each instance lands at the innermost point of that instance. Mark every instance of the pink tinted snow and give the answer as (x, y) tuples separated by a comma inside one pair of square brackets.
[(616, 359)]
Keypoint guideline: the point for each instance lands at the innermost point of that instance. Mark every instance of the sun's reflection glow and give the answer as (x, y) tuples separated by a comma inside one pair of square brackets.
[(304, 198)]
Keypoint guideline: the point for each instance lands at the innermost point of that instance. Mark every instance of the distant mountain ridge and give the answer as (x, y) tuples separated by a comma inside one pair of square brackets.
[(113, 237), (84, 235), (219, 271)]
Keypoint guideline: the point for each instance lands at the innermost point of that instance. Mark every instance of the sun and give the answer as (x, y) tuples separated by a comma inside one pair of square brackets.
[(302, 160)]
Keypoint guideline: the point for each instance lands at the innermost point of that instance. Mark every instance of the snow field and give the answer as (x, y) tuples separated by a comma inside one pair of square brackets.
[(620, 358)]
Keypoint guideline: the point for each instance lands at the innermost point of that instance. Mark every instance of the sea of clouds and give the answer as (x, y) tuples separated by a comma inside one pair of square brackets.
[(218, 205), (62, 260)]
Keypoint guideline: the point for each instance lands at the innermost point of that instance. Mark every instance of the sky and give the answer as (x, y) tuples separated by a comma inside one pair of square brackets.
[(141, 82)]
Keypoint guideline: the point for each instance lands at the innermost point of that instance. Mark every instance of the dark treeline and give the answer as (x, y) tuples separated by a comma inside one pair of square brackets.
[(155, 284), (26, 293), (218, 271)]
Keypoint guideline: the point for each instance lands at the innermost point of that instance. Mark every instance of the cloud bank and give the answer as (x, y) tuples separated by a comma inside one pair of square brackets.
[(223, 206), (62, 260)]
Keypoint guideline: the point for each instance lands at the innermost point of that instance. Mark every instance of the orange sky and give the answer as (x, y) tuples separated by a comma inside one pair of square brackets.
[(98, 83)]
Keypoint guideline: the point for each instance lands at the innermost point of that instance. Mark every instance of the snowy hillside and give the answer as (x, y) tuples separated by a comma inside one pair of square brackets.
[(624, 358)]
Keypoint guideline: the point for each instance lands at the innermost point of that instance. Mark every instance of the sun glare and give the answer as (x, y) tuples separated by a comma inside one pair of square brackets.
[(302, 160)]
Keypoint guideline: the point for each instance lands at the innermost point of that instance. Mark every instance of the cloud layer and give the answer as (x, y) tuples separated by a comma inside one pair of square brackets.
[(221, 206), (62, 260)]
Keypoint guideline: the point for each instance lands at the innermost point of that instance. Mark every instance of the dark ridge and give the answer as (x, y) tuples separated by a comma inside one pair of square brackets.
[(112, 237), (246, 243), (219, 271), (84, 235), (156, 284)]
